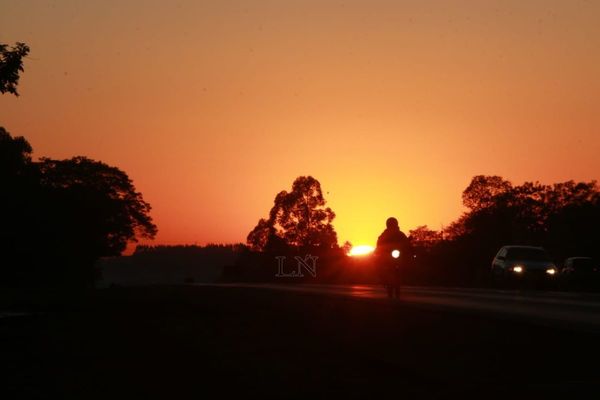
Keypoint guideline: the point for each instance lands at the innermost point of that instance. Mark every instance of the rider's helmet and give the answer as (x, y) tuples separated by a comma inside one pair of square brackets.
[(392, 223)]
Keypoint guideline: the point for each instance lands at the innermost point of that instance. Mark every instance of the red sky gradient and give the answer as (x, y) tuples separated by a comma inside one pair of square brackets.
[(214, 107)]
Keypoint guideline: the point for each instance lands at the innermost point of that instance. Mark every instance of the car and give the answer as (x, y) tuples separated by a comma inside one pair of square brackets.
[(583, 266), (580, 272), (520, 263)]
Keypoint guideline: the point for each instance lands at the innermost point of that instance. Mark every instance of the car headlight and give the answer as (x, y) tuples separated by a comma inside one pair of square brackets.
[(551, 271), (518, 269), (395, 253)]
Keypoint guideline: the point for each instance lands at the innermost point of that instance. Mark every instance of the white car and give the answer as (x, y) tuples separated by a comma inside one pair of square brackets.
[(523, 262)]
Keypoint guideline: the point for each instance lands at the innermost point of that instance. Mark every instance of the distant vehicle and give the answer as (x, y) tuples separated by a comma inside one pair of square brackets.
[(584, 266), (580, 271), (514, 263)]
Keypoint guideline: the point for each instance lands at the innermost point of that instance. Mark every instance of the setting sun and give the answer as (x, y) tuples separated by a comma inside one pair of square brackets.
[(361, 250)]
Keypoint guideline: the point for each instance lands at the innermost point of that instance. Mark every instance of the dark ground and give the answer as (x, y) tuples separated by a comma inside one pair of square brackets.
[(183, 342)]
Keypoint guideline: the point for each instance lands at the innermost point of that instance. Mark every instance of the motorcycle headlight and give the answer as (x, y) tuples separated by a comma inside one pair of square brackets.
[(551, 271), (395, 253)]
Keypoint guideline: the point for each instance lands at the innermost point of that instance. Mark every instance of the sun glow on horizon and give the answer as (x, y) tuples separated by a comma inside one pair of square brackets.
[(361, 250)]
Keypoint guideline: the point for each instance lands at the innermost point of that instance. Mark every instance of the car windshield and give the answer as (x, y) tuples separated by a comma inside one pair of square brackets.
[(523, 253)]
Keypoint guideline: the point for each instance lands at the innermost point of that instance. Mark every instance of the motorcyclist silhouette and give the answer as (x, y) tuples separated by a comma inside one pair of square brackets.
[(393, 254)]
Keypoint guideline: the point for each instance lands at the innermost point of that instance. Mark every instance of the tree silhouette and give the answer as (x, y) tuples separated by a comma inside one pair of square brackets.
[(59, 216), (19, 190), (563, 217), (98, 205), (298, 219), (346, 247), (263, 237), (423, 237), (484, 191), (11, 64), (15, 155)]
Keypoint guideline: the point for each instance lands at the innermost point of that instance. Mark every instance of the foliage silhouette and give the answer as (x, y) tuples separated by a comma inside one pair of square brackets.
[(11, 65), (563, 217), (299, 224), (99, 202), (298, 219), (484, 191), (60, 216), (423, 237)]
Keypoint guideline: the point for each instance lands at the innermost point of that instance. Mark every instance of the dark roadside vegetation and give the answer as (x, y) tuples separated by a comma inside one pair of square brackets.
[(59, 336), (174, 342), (562, 217)]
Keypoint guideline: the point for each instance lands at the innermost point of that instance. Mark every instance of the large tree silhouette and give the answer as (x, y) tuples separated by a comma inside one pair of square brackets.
[(59, 216), (97, 205), (298, 219)]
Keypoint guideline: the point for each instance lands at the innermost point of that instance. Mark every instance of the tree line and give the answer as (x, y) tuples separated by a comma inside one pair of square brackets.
[(563, 217)]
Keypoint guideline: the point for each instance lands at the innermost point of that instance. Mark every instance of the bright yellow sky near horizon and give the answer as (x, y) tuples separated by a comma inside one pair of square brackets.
[(212, 107)]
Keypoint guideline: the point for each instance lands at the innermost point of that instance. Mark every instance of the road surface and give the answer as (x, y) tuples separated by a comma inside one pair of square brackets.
[(302, 341), (565, 309)]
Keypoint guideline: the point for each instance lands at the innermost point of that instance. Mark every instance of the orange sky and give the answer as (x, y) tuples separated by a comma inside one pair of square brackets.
[(213, 107)]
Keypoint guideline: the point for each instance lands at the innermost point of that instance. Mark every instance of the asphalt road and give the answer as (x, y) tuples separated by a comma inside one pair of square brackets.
[(564, 309), (302, 341)]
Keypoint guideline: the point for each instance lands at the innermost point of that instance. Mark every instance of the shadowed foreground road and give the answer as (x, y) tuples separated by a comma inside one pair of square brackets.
[(566, 309), (188, 341)]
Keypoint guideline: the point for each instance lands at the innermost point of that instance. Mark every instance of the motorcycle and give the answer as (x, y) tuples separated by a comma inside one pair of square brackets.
[(392, 279)]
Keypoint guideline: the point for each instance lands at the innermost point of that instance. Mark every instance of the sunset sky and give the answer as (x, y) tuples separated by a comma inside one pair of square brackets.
[(212, 107)]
